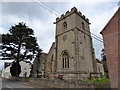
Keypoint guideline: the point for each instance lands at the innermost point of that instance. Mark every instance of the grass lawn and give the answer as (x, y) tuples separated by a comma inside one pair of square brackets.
[(26, 78), (99, 80)]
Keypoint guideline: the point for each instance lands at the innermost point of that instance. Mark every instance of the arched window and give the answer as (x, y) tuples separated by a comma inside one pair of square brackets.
[(64, 25), (65, 60), (83, 26)]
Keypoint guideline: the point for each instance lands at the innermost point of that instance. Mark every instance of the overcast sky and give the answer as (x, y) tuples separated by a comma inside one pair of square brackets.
[(40, 17)]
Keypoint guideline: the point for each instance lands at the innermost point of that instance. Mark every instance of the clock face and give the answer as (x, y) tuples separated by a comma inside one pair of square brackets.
[(64, 37)]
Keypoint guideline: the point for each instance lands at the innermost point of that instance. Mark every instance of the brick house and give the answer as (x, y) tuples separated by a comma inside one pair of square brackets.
[(111, 37)]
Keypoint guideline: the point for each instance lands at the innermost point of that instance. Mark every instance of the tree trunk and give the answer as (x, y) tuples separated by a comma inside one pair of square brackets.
[(18, 54), (17, 60)]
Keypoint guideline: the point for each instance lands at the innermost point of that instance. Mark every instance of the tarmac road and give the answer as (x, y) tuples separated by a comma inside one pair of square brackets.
[(14, 85)]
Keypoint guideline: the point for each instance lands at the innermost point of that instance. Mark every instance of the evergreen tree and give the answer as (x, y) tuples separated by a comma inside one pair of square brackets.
[(19, 44), (103, 56)]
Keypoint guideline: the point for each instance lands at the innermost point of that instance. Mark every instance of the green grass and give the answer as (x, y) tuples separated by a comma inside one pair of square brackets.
[(26, 78), (99, 80)]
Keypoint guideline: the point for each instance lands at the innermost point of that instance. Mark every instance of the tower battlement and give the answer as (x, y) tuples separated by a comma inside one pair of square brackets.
[(68, 13)]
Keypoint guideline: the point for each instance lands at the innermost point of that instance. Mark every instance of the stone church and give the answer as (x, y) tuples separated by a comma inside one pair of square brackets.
[(72, 54)]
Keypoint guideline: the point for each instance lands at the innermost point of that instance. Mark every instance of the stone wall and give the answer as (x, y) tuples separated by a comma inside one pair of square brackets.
[(51, 83), (100, 68), (50, 60), (76, 41), (39, 63)]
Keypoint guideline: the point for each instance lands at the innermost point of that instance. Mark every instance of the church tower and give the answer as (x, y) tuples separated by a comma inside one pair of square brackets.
[(74, 52)]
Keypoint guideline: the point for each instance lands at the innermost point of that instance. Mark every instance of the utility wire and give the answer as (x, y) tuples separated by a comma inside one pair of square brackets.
[(56, 14), (44, 7), (89, 35), (59, 12)]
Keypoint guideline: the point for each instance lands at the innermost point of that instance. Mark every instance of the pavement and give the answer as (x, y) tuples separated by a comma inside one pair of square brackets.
[(15, 85), (6, 84), (33, 84)]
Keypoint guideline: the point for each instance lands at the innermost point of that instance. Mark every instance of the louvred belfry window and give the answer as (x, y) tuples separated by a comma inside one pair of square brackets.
[(64, 25)]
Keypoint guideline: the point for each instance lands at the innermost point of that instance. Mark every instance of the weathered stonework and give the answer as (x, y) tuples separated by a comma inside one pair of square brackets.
[(39, 64), (100, 68), (68, 13), (72, 53)]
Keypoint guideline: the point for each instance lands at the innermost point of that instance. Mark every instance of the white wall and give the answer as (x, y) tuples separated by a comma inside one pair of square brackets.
[(25, 68), (6, 72)]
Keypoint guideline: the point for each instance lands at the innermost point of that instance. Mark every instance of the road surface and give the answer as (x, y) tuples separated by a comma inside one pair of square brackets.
[(14, 85)]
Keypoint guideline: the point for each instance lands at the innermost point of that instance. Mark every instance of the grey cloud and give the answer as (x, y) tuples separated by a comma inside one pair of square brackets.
[(24, 9), (45, 33), (98, 46)]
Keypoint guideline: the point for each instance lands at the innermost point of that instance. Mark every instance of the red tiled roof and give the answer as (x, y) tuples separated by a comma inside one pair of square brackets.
[(98, 60), (44, 53)]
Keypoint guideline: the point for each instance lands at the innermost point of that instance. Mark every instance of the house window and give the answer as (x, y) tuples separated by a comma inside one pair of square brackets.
[(65, 60), (64, 25)]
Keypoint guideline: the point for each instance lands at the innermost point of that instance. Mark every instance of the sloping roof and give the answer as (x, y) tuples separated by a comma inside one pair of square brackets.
[(98, 61), (110, 20), (53, 46), (43, 53), (7, 64)]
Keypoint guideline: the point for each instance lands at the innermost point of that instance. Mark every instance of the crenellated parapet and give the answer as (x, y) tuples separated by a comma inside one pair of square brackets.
[(68, 13)]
